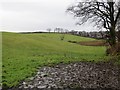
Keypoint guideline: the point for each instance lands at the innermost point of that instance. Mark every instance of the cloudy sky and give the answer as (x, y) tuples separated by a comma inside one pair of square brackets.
[(36, 15)]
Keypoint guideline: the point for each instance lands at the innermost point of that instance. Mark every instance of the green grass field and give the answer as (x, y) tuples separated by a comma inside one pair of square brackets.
[(22, 54)]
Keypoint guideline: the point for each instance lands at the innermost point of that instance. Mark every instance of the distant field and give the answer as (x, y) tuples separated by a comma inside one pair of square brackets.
[(24, 53)]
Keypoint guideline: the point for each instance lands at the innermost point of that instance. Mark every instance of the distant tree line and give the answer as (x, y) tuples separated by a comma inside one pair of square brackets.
[(95, 34), (57, 30)]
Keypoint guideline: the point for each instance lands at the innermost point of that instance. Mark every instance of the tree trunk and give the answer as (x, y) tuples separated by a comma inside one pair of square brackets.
[(112, 50), (112, 36), (118, 36)]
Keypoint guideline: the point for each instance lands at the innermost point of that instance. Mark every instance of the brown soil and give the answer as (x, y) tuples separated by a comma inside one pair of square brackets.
[(93, 43)]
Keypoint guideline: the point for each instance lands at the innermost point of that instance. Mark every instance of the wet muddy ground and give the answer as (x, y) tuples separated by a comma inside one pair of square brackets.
[(74, 76)]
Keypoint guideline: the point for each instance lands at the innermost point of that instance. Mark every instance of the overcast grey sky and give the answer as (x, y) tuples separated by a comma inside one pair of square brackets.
[(36, 15)]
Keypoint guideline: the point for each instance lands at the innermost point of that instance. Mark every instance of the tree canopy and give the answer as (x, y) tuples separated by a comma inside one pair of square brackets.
[(104, 13)]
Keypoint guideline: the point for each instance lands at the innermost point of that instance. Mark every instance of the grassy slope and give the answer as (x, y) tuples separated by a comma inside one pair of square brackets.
[(23, 53)]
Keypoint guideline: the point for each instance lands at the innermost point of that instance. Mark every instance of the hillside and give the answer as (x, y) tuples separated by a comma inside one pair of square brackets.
[(24, 53)]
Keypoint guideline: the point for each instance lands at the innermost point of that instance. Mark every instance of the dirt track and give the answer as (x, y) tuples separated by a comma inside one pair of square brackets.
[(74, 75)]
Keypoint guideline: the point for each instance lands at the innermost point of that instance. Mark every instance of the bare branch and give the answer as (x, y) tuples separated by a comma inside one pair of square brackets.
[(103, 14)]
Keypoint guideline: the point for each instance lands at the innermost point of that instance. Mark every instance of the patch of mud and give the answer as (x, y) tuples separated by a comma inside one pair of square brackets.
[(75, 75), (93, 43)]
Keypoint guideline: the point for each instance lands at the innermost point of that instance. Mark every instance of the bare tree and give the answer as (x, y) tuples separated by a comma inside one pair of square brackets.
[(66, 30), (49, 29), (59, 30), (62, 30), (104, 13), (55, 30)]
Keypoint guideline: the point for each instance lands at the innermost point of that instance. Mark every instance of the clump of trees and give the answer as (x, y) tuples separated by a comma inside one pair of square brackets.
[(104, 14), (49, 29), (61, 30)]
